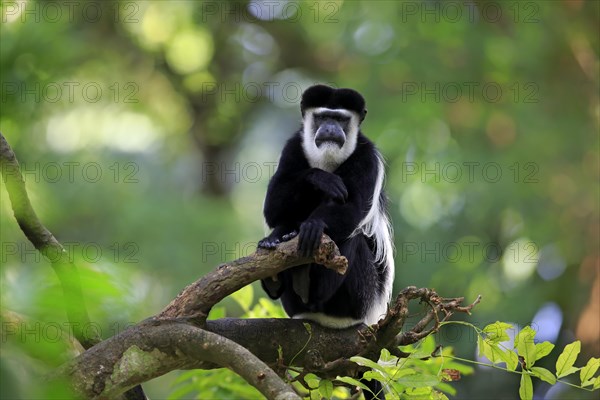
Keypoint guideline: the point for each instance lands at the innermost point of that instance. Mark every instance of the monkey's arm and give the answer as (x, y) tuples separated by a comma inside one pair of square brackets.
[(359, 174), (339, 220), (294, 192)]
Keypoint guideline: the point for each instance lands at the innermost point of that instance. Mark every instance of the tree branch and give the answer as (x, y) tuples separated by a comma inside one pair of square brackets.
[(153, 348), (47, 245), (196, 300), (167, 344)]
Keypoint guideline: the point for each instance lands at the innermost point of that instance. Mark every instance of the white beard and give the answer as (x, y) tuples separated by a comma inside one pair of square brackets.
[(328, 156)]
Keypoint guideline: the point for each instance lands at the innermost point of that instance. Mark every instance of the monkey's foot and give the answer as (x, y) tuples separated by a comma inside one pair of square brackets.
[(289, 236), (268, 243)]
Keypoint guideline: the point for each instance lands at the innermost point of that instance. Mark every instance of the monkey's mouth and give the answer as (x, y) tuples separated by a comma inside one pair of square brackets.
[(336, 142), (330, 136)]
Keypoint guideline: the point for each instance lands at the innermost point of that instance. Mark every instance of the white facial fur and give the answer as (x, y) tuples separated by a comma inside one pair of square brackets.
[(329, 156)]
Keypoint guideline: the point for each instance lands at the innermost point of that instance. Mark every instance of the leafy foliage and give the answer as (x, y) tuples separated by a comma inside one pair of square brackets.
[(525, 352)]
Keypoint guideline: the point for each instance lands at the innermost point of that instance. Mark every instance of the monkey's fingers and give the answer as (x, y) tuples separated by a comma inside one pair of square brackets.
[(339, 194), (310, 237), (343, 191)]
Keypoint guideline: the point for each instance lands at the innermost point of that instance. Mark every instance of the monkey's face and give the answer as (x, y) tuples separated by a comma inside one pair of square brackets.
[(329, 136)]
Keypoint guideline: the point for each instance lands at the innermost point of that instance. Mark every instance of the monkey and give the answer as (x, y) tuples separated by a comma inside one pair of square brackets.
[(330, 179)]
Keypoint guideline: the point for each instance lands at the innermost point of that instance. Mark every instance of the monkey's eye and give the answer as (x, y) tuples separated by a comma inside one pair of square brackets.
[(332, 116)]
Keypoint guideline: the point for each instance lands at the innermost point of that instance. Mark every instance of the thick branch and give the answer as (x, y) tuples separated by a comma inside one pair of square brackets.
[(196, 300), (164, 345), (152, 349)]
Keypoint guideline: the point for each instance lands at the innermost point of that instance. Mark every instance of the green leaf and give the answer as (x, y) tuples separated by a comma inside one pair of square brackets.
[(587, 373), (544, 374), (526, 346), (315, 395), (439, 395), (511, 359), (365, 362), (369, 375), (386, 356), (185, 376), (496, 332), (596, 383), (271, 310), (244, 297), (422, 393), (353, 382), (427, 344), (182, 392), (312, 381), (418, 380), (543, 349), (495, 354), (216, 313), (326, 388), (403, 372), (446, 388), (564, 364), (526, 387)]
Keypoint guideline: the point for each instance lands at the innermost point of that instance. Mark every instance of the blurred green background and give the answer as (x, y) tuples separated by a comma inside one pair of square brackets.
[(148, 132)]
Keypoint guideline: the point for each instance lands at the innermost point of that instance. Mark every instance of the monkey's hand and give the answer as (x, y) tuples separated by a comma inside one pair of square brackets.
[(330, 184), (309, 236)]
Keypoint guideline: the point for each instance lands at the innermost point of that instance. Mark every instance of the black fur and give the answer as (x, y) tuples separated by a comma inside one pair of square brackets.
[(325, 96), (312, 201)]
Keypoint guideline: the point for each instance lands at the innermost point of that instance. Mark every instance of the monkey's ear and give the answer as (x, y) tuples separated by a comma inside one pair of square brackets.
[(363, 115)]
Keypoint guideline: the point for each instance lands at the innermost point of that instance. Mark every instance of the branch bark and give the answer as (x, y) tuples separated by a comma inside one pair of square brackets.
[(249, 347), (196, 300)]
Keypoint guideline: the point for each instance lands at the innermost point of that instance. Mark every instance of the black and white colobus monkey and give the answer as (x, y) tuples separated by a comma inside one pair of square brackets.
[(330, 179)]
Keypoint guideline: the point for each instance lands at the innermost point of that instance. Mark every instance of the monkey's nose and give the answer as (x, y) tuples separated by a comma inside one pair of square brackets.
[(330, 133)]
